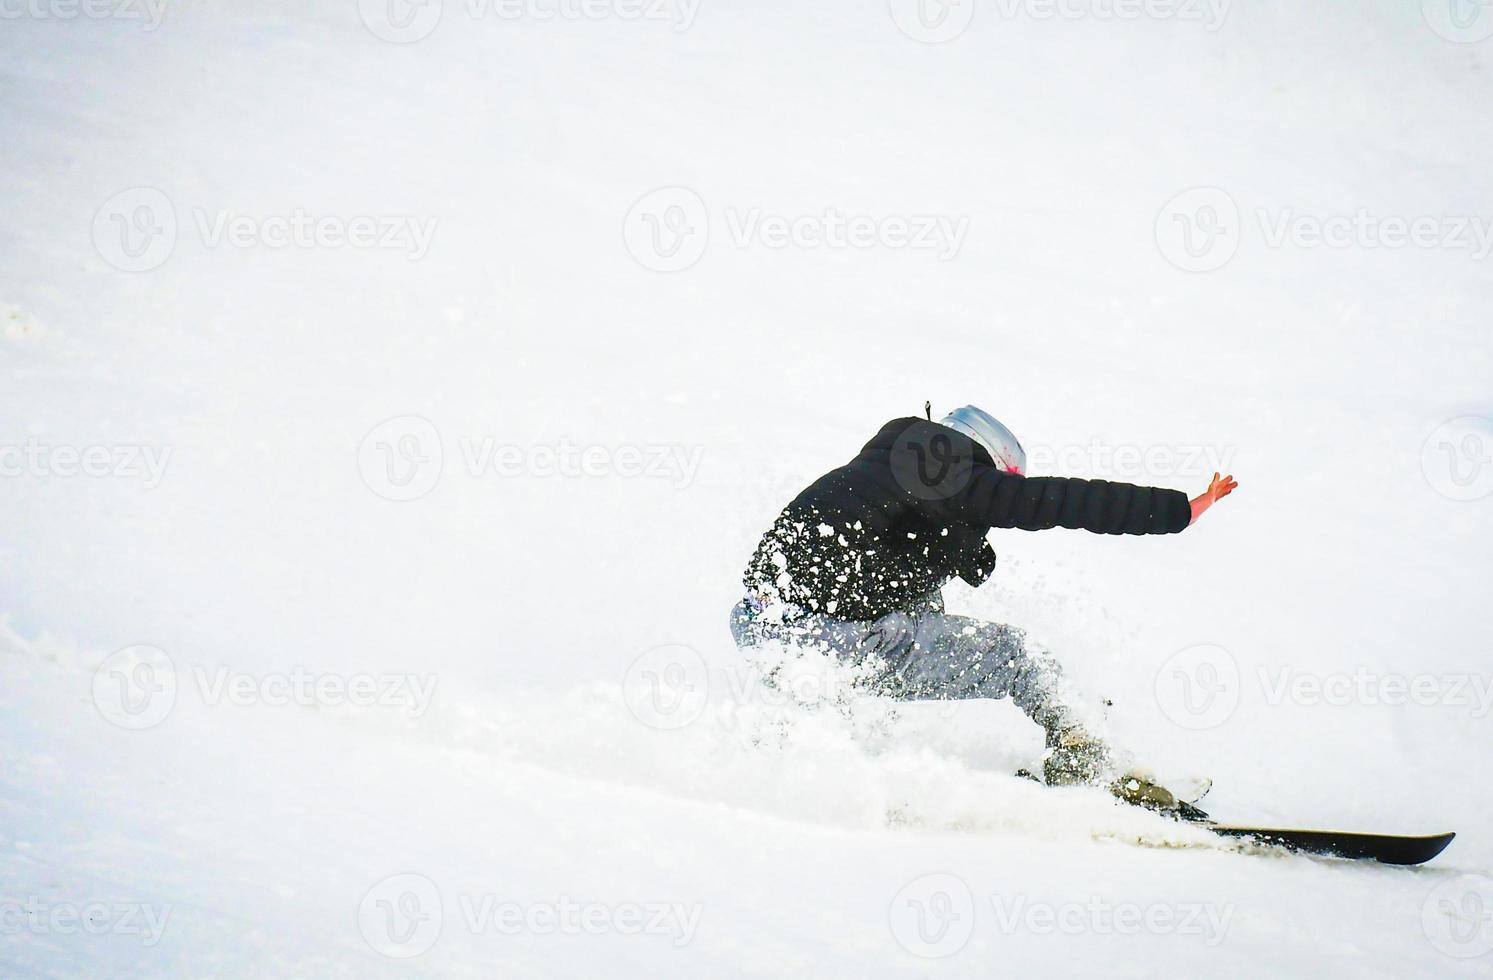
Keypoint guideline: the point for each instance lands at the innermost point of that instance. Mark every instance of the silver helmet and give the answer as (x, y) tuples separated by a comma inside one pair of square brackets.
[(987, 430)]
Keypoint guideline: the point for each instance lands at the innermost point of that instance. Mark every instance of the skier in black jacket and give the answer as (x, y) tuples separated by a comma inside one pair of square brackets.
[(854, 564)]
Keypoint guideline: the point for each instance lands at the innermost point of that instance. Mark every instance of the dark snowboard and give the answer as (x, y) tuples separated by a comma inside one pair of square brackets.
[(1384, 848)]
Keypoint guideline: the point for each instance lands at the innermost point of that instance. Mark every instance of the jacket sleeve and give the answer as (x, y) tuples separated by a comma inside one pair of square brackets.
[(1036, 503)]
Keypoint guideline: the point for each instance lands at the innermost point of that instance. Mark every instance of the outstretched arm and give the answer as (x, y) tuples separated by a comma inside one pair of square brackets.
[(1035, 503), (1217, 490)]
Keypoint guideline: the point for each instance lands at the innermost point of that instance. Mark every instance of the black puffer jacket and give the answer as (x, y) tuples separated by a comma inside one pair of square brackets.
[(911, 512)]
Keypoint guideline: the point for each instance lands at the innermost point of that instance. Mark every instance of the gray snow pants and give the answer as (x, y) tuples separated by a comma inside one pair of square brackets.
[(926, 655)]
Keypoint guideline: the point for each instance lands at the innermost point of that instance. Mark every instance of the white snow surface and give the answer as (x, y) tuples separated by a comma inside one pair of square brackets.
[(747, 835)]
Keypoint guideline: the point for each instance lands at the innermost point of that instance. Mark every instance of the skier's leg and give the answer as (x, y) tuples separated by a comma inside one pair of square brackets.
[(852, 643), (935, 656), (927, 656), (753, 625), (743, 625), (957, 657), (960, 657)]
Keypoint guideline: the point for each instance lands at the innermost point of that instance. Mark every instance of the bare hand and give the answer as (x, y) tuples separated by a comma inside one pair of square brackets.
[(1220, 488)]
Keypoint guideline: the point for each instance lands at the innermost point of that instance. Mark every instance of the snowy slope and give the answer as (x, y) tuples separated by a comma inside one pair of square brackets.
[(518, 169)]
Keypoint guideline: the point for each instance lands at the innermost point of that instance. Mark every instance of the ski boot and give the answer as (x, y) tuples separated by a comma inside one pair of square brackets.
[(1077, 758)]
